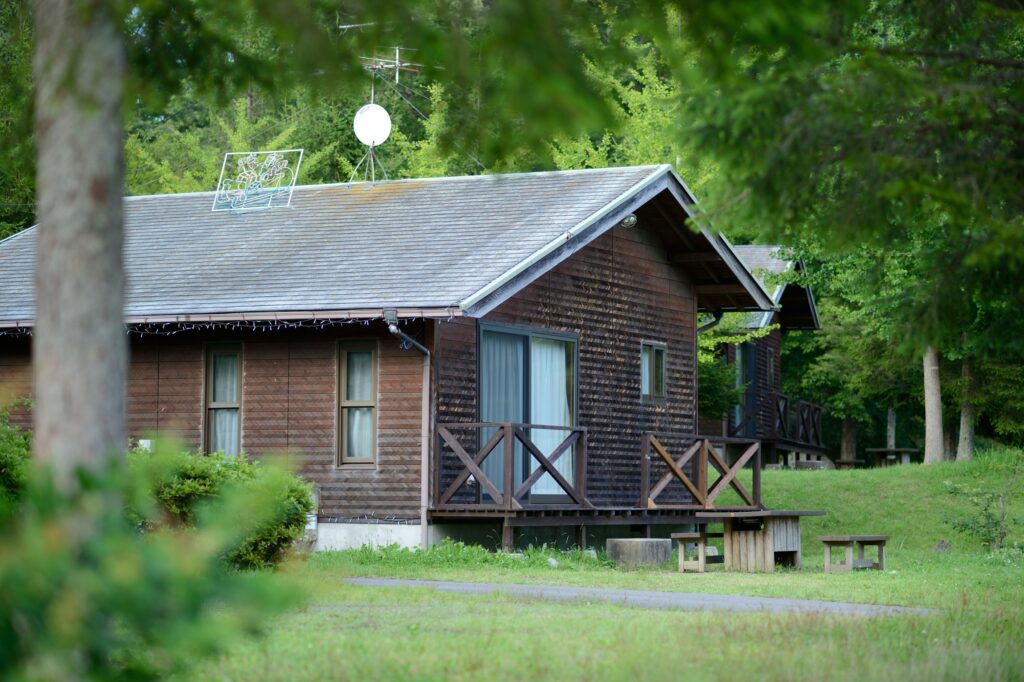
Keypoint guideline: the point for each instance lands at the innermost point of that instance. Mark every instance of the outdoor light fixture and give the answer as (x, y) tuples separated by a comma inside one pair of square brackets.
[(629, 221)]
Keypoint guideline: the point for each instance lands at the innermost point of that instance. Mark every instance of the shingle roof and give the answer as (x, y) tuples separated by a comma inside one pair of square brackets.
[(404, 244), (435, 244), (763, 261)]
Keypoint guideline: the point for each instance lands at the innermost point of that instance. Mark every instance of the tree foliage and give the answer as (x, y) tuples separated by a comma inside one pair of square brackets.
[(893, 124), (718, 388)]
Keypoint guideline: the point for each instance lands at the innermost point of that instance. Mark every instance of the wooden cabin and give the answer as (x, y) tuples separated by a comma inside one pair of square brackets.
[(508, 351), (789, 428)]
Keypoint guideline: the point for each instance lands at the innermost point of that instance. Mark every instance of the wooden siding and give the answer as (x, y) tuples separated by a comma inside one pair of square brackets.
[(618, 291), (289, 408), (16, 378), (769, 376), (766, 384)]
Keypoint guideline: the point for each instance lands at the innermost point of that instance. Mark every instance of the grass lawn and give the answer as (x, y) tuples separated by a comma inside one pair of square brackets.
[(358, 633)]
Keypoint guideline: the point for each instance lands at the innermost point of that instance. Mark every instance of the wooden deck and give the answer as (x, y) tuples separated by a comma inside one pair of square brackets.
[(674, 486)]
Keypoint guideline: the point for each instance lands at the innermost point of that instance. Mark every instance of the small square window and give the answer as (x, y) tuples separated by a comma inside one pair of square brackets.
[(652, 371)]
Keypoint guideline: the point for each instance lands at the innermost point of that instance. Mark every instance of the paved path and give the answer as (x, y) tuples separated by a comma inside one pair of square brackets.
[(685, 601)]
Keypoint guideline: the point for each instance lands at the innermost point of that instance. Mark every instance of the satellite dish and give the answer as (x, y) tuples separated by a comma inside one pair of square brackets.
[(372, 125)]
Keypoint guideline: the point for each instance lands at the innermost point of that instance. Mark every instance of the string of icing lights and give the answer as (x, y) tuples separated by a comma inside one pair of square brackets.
[(174, 328)]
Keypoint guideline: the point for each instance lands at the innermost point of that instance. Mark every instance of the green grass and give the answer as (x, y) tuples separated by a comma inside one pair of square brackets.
[(349, 632)]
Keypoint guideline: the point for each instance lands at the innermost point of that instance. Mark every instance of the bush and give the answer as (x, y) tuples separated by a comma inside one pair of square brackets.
[(88, 597), (988, 518), (185, 484), (15, 450)]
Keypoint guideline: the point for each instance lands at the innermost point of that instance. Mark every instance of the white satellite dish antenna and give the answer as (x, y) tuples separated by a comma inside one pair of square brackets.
[(372, 125)]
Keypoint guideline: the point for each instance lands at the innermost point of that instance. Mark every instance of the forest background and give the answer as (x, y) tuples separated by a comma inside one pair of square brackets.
[(878, 142)]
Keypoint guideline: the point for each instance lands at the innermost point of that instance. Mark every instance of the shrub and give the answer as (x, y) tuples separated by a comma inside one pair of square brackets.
[(185, 484), (15, 450), (88, 597), (988, 519)]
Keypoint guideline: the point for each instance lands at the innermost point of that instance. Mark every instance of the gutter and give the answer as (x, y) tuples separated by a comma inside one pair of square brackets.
[(392, 320)]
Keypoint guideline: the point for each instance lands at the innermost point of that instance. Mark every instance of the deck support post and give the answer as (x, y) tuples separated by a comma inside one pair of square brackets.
[(507, 544), (581, 537)]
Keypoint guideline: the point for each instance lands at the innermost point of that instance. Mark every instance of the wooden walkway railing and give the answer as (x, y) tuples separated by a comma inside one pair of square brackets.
[(508, 496), (701, 454), (798, 421), (795, 421)]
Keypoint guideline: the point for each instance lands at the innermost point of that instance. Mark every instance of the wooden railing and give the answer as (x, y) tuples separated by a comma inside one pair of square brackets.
[(798, 421), (451, 456), (702, 454)]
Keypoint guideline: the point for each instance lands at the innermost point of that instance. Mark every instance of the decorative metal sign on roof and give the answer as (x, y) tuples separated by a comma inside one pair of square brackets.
[(251, 181)]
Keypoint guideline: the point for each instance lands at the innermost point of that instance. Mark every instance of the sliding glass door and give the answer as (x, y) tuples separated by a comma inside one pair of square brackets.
[(502, 396), (529, 377)]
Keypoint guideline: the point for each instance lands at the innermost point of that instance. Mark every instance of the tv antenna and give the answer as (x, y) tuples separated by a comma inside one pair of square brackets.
[(372, 123)]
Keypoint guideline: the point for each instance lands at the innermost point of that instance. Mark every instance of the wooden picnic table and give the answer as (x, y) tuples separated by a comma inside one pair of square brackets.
[(887, 456), (848, 542), (758, 541)]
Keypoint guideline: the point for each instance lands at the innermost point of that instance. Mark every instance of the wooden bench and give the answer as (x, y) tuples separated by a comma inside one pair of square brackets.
[(848, 542), (699, 563)]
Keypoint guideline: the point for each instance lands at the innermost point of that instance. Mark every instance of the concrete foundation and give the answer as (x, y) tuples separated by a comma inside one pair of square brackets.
[(630, 552), (336, 535)]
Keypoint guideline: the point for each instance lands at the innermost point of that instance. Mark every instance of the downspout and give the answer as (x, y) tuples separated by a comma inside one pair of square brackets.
[(424, 429), (713, 323)]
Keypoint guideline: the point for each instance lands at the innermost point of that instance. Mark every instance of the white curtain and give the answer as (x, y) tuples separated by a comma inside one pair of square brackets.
[(224, 421), (551, 387), (358, 376), (501, 396), (359, 432), (225, 378), (359, 420), (225, 431)]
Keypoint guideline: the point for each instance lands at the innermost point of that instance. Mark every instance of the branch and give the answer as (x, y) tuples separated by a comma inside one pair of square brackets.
[(959, 55)]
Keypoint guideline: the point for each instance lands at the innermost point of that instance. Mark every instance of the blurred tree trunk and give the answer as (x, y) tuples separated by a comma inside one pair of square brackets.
[(965, 447), (79, 346), (890, 428), (934, 445), (848, 445)]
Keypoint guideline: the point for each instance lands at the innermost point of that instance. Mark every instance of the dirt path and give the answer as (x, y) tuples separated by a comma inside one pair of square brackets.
[(654, 600)]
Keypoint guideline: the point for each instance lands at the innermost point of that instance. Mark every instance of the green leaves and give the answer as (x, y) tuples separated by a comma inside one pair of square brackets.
[(87, 596), (887, 125)]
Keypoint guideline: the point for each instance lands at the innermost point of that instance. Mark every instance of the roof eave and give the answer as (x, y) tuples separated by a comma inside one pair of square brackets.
[(558, 249), (273, 316)]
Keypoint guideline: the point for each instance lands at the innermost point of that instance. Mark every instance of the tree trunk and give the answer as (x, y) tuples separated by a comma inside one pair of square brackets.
[(934, 446), (79, 346), (890, 428), (965, 447), (848, 445)]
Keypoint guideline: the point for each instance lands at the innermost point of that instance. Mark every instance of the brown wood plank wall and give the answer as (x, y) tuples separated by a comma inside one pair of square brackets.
[(764, 386), (289, 407), (16, 378), (615, 293), (768, 385)]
